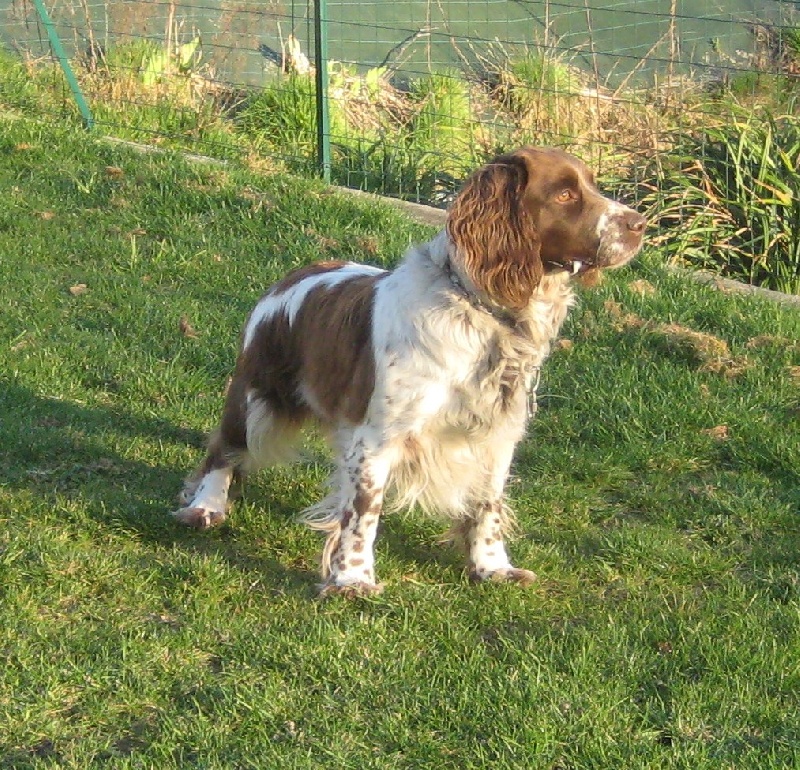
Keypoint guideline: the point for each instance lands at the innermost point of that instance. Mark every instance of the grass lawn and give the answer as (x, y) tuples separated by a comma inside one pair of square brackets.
[(658, 495)]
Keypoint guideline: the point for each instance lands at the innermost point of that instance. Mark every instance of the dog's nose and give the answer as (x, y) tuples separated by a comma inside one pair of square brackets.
[(636, 223)]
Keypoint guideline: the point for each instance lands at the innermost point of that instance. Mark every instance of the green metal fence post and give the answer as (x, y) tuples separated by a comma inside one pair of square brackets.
[(58, 49), (321, 63)]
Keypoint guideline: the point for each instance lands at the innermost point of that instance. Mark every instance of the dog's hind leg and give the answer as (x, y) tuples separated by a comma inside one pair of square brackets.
[(252, 434), (204, 498)]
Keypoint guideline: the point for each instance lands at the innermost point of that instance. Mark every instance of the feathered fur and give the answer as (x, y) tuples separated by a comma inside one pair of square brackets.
[(421, 376)]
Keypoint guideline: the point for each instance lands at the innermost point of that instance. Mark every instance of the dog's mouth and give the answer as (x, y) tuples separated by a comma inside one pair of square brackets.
[(573, 267), (608, 257)]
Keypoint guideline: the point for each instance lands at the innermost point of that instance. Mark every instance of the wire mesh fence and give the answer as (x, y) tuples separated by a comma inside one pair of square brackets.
[(418, 91), (688, 106)]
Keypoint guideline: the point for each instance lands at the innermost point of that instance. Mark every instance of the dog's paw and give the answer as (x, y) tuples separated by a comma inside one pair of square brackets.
[(357, 590), (199, 518), (523, 577)]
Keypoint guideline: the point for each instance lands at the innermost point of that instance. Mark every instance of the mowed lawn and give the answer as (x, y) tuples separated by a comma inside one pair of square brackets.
[(658, 497)]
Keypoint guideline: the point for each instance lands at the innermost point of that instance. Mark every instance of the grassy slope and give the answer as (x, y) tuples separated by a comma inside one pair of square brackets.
[(664, 631)]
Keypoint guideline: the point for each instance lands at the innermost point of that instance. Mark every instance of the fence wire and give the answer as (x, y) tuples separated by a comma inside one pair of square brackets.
[(419, 92)]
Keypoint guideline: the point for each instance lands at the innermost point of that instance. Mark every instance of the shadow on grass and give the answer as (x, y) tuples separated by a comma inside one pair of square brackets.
[(403, 536), (65, 457), (61, 454)]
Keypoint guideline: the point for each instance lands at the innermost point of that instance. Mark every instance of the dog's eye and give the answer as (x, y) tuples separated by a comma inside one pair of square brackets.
[(565, 196)]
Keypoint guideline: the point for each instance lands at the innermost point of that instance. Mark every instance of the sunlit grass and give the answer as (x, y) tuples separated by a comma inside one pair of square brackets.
[(657, 495)]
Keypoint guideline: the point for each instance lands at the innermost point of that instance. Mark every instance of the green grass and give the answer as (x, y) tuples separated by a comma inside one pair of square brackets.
[(664, 629)]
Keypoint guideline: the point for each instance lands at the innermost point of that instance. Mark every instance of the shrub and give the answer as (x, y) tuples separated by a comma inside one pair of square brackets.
[(415, 144), (536, 82), (282, 120), (443, 130), (730, 200)]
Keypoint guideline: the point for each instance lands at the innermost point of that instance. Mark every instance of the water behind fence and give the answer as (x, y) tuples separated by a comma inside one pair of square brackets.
[(416, 92)]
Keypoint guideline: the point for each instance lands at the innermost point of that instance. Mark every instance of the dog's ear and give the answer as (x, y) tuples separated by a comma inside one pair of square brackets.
[(492, 226)]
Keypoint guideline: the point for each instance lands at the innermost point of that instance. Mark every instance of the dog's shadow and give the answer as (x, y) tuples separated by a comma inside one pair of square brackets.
[(62, 452), (71, 458)]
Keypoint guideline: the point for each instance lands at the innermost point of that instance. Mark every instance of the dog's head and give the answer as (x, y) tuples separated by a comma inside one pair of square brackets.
[(532, 212)]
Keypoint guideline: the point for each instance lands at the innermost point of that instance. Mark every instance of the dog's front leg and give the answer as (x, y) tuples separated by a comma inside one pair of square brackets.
[(486, 528), (348, 562), (488, 559)]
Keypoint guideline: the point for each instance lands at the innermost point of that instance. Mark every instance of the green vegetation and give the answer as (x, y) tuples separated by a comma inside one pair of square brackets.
[(657, 496), (444, 130), (722, 186), (282, 121), (537, 85), (728, 200), (411, 145)]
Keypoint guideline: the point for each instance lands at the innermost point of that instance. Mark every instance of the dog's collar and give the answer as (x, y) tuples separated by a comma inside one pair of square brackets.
[(503, 316)]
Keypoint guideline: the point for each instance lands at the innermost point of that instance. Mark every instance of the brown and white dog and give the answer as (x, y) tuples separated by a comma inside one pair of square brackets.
[(421, 377)]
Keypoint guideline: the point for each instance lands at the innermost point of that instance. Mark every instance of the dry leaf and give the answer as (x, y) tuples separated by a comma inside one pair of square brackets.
[(640, 286), (613, 308), (20, 342), (368, 244), (704, 346), (115, 172), (564, 345), (78, 289), (164, 618), (186, 328), (718, 432), (664, 648), (632, 321), (728, 367), (46, 215), (771, 341), (590, 279)]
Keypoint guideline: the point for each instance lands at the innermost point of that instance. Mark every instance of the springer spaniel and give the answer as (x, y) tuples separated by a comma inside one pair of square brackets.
[(422, 377)]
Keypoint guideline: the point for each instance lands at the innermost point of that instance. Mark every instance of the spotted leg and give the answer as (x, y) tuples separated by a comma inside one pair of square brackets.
[(348, 562), (485, 529), (488, 559)]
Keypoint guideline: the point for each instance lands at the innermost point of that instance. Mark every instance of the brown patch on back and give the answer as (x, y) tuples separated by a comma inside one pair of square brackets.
[(335, 327), (323, 363)]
